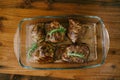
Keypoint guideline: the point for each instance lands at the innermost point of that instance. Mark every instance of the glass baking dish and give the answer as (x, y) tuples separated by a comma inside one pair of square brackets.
[(97, 38)]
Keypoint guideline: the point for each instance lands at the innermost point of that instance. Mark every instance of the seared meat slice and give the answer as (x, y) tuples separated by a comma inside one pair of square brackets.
[(75, 30), (43, 54), (55, 32), (58, 53), (37, 32), (76, 53)]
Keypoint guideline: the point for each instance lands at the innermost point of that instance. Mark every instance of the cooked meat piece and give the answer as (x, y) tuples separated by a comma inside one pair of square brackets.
[(58, 53), (37, 32), (43, 54), (55, 32), (76, 30), (76, 53)]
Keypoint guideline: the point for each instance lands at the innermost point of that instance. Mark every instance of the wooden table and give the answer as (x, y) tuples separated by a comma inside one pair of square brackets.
[(12, 11)]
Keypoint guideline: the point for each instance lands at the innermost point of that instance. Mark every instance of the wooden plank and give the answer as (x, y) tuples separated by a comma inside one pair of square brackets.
[(22, 13), (21, 77), (31, 3), (4, 77)]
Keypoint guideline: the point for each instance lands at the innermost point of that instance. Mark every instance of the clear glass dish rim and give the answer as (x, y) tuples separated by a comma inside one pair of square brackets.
[(104, 52)]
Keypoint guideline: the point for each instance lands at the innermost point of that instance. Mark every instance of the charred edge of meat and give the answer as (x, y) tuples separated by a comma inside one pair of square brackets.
[(38, 33), (75, 30), (44, 53), (87, 49), (59, 51)]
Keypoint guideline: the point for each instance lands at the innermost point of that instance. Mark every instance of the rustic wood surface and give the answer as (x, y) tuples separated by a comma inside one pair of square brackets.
[(12, 11), (27, 77)]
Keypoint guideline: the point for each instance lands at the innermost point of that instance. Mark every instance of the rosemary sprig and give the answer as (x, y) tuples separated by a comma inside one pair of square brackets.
[(60, 29), (80, 55), (32, 49)]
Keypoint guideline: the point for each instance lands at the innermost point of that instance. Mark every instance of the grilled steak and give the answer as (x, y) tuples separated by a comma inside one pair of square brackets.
[(55, 32), (43, 54), (75, 30), (37, 32), (76, 53), (58, 53)]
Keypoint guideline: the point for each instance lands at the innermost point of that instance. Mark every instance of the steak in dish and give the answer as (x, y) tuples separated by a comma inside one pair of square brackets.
[(55, 32), (76, 53), (43, 53), (38, 33)]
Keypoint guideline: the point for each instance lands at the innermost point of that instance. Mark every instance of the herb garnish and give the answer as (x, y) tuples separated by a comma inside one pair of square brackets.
[(32, 49), (80, 55), (60, 29)]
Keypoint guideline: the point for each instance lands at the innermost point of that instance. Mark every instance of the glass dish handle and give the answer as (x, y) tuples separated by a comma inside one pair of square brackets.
[(107, 42), (16, 44)]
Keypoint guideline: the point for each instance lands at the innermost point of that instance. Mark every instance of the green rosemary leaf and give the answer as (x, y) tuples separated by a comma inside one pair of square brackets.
[(80, 55), (61, 30), (32, 49)]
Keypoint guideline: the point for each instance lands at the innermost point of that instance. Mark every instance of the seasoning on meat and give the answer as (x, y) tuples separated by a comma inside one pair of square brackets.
[(43, 54), (58, 53), (76, 53), (75, 30), (55, 32), (37, 33)]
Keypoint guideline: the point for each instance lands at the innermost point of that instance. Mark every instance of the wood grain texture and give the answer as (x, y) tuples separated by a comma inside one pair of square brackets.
[(22, 77), (12, 11)]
